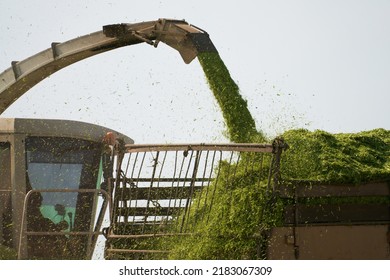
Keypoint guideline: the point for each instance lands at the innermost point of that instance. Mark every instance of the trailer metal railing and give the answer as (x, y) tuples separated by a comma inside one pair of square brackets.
[(157, 186)]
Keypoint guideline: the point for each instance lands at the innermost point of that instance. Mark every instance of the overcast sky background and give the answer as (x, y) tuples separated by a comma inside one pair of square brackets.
[(300, 64)]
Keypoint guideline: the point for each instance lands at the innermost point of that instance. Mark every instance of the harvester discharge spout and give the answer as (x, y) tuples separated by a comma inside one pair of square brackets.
[(178, 34), (187, 39)]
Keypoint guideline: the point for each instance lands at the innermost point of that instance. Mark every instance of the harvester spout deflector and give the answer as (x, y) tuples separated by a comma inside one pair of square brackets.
[(187, 39)]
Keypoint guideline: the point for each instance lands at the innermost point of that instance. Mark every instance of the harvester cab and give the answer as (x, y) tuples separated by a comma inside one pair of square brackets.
[(55, 174)]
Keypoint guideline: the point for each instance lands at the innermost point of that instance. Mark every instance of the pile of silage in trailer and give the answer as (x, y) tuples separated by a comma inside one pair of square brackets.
[(345, 158)]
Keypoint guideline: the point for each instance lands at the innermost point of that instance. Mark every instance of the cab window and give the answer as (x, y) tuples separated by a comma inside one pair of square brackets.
[(55, 164)]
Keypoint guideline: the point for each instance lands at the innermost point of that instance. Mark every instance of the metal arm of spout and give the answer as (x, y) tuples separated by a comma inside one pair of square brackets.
[(23, 75)]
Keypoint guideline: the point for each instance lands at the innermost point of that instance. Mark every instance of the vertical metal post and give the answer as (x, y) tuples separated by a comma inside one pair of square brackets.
[(278, 146), (155, 163), (191, 193), (119, 152), (18, 185)]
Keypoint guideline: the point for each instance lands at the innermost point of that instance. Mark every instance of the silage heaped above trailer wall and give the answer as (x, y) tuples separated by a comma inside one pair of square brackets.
[(348, 158)]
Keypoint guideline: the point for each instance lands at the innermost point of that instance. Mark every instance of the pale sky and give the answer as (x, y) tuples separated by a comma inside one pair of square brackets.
[(300, 64)]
